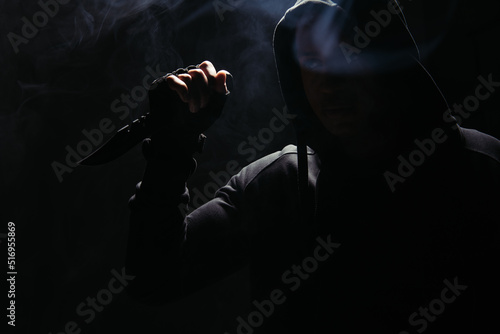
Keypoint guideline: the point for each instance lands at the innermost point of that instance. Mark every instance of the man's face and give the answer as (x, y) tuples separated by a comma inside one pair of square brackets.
[(341, 94)]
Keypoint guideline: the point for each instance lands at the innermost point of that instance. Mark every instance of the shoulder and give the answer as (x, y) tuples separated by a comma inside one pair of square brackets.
[(481, 144), (277, 166), (482, 154)]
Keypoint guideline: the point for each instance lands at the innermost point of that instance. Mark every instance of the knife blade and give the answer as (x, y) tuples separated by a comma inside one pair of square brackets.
[(126, 138)]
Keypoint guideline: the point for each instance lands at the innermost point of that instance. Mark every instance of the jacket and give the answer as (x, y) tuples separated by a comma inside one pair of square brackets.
[(335, 244)]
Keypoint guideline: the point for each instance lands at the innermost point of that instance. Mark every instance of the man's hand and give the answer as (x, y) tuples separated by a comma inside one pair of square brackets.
[(183, 104), (188, 101), (197, 87)]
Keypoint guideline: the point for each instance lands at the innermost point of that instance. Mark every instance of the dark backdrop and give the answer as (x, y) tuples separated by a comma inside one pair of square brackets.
[(71, 231)]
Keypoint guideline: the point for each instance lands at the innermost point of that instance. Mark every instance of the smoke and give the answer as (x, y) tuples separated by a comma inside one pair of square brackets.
[(88, 53), (85, 54), (64, 79)]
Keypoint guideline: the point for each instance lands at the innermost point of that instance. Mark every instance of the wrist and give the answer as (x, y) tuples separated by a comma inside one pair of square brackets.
[(165, 149)]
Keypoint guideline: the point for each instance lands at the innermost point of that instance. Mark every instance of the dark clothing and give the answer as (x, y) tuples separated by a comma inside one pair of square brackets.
[(418, 258), (396, 248)]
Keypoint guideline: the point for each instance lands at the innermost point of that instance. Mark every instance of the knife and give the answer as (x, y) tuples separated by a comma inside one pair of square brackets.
[(160, 95), (126, 138)]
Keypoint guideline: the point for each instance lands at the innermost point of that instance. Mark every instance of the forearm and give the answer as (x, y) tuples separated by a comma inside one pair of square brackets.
[(183, 104), (156, 223)]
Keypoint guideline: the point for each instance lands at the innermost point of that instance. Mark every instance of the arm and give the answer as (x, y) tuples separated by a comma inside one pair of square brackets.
[(171, 255), (167, 252)]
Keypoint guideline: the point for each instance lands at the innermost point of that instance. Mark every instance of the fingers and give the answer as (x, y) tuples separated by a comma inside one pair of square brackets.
[(209, 70), (217, 80), (221, 82), (197, 86), (180, 86), (199, 90)]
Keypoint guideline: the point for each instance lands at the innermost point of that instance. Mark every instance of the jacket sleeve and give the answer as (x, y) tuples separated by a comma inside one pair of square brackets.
[(171, 255)]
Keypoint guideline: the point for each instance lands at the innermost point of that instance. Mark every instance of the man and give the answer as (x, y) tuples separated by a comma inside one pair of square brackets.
[(382, 219)]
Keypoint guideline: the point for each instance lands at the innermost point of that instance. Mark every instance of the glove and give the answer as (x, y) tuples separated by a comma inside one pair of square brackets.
[(177, 127)]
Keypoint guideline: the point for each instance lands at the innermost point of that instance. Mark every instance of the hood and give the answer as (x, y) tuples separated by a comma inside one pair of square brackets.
[(376, 32)]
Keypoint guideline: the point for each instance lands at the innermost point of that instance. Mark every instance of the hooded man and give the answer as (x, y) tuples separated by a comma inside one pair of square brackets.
[(381, 219)]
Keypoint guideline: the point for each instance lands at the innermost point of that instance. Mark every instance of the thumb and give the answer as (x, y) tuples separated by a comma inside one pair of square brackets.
[(223, 82)]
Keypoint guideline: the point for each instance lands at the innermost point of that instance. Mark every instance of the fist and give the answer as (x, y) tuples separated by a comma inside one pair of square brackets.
[(187, 101), (197, 87)]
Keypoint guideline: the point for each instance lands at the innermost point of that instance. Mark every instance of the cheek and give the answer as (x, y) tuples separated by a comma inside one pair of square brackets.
[(313, 99), (310, 86)]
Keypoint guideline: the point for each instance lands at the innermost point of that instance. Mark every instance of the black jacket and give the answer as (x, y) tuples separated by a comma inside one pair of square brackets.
[(328, 241)]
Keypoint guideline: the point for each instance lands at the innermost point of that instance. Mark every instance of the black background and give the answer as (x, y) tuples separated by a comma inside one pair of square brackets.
[(71, 234)]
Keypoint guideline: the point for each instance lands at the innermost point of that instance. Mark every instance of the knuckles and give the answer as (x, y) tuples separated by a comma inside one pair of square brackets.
[(199, 83), (201, 77)]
